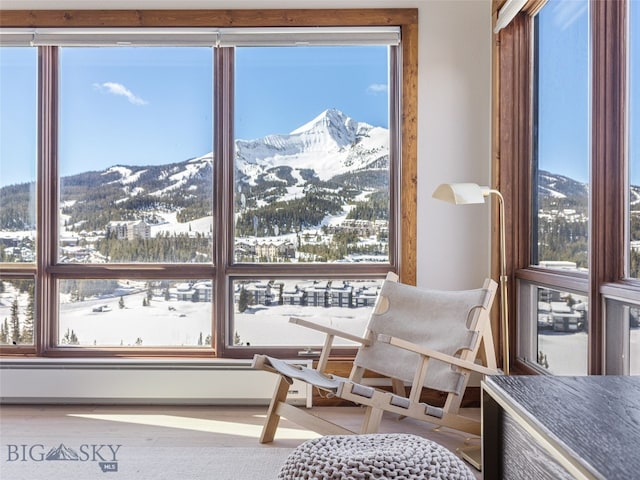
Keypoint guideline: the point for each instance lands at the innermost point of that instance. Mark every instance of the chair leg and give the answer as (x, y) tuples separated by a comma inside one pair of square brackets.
[(272, 420), (371, 421)]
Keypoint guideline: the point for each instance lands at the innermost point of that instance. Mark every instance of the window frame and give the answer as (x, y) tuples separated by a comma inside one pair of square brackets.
[(223, 271), (513, 164)]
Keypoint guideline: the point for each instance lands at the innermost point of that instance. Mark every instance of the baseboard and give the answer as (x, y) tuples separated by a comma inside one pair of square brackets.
[(111, 381)]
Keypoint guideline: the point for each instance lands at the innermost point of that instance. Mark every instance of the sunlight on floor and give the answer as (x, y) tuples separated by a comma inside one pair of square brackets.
[(198, 424)]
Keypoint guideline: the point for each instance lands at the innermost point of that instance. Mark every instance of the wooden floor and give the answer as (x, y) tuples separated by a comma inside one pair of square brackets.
[(187, 425)]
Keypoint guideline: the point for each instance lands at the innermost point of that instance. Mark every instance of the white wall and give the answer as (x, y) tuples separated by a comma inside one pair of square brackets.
[(454, 128), (455, 140)]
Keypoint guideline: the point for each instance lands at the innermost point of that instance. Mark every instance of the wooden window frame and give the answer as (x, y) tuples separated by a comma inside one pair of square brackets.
[(47, 271), (513, 165)]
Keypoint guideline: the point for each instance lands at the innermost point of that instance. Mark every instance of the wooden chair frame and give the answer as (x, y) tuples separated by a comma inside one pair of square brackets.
[(381, 401)]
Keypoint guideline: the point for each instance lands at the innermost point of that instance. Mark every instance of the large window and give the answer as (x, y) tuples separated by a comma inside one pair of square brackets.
[(566, 154), (135, 155), (554, 337), (18, 124), (561, 76), (560, 201), (196, 188), (312, 184), (18, 135)]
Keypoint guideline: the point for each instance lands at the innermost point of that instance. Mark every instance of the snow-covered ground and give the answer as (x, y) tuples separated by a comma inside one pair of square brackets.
[(163, 323), (203, 225), (180, 323), (566, 353), (270, 325)]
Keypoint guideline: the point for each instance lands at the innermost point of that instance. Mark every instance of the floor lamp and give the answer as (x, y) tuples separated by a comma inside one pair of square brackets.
[(469, 193)]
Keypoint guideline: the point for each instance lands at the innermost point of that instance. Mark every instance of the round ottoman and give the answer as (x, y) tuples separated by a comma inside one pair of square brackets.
[(396, 456)]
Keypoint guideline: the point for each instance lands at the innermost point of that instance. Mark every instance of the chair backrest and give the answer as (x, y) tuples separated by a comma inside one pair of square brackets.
[(451, 322)]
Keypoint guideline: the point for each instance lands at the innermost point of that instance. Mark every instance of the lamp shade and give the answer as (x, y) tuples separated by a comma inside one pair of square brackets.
[(461, 193)]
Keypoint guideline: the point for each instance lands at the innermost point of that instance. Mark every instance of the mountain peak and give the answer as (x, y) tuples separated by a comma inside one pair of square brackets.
[(330, 116), (333, 124), (342, 143)]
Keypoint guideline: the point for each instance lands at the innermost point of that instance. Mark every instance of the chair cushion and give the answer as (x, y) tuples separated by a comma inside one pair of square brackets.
[(377, 456)]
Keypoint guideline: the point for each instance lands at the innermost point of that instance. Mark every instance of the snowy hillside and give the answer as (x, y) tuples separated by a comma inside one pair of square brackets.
[(330, 176)]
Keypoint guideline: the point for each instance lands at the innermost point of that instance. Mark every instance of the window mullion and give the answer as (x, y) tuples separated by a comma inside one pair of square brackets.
[(47, 196), (607, 164), (223, 201)]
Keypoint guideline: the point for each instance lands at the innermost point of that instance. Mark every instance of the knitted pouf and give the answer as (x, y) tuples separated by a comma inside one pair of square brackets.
[(395, 456)]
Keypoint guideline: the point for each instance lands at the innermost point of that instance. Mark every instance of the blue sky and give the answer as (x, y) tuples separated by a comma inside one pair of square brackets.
[(140, 106), (153, 105), (564, 89), (280, 89)]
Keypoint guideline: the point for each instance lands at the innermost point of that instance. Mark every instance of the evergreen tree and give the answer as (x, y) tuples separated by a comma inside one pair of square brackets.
[(4, 332), (70, 338), (27, 328), (634, 264), (15, 323), (243, 300)]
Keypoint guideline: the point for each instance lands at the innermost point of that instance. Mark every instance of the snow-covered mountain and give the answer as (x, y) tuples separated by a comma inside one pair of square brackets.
[(554, 188), (321, 168), (560, 187), (330, 144)]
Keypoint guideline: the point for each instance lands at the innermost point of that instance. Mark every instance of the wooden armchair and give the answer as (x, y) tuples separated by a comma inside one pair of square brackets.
[(417, 337)]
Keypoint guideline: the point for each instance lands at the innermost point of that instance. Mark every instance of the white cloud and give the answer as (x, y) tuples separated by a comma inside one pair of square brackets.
[(119, 89), (376, 88)]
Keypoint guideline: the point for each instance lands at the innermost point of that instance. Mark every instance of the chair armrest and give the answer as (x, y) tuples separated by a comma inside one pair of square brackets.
[(329, 331), (443, 357)]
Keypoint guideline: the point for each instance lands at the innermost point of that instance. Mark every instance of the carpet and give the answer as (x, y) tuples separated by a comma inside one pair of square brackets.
[(88, 462)]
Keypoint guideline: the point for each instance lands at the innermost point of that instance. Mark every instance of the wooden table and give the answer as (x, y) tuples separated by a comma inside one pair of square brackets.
[(544, 427)]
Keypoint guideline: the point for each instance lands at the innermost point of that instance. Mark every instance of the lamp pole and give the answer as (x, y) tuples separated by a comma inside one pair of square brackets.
[(504, 306), (470, 193)]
